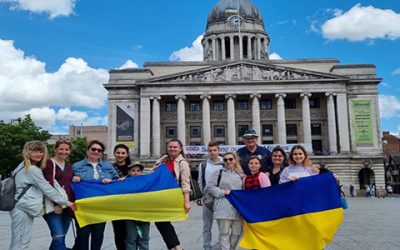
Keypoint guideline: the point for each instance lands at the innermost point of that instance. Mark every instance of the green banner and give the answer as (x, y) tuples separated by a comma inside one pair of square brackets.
[(362, 123)]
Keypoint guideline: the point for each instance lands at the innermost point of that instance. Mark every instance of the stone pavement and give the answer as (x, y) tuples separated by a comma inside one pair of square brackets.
[(370, 224)]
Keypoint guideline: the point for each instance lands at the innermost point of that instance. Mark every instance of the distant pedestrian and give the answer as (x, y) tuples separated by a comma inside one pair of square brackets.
[(389, 190), (367, 191), (351, 190)]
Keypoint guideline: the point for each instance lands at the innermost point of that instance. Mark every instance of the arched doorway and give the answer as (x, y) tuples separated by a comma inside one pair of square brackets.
[(366, 176)]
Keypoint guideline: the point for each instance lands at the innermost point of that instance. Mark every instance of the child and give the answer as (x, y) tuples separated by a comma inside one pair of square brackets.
[(300, 165), (255, 179), (137, 231)]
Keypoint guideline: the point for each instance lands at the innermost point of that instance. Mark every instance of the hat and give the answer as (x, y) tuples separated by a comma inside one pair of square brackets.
[(136, 164), (251, 133)]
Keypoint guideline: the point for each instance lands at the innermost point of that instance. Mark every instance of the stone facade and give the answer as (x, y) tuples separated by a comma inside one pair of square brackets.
[(334, 107)]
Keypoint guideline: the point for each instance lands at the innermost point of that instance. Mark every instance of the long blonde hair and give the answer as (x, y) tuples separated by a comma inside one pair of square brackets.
[(237, 166), (32, 146)]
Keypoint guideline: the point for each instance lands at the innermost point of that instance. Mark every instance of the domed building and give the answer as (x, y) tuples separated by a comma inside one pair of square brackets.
[(330, 108)]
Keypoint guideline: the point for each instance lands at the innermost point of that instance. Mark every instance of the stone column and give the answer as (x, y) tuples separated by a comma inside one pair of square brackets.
[(331, 123), (223, 48), (214, 49), (343, 123), (156, 139), (256, 115), (144, 126), (240, 47), (306, 117), (280, 103), (206, 119), (258, 48), (231, 124), (181, 119), (249, 54), (231, 38)]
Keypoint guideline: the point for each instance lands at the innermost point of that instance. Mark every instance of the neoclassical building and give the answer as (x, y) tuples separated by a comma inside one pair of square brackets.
[(319, 102)]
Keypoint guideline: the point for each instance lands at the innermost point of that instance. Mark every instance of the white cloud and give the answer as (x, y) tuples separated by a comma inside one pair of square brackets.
[(396, 72), (194, 53), (275, 56), (54, 8), (129, 64), (27, 88), (389, 106), (362, 23)]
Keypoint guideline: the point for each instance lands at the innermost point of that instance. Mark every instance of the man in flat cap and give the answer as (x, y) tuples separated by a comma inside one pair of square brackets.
[(251, 148)]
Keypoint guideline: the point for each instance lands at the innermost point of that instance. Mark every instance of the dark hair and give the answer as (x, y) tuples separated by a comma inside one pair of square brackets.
[(213, 143), (254, 157), (90, 144), (180, 144), (63, 141), (279, 149), (128, 160), (306, 162)]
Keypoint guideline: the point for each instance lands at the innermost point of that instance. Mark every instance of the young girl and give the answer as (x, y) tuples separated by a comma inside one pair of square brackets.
[(300, 165), (255, 179)]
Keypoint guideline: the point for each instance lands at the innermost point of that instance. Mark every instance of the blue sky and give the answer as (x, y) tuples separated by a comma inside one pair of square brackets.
[(55, 54)]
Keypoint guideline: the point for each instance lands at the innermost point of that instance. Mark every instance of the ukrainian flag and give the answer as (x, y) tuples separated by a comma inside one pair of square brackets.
[(153, 197), (300, 215), (231, 10)]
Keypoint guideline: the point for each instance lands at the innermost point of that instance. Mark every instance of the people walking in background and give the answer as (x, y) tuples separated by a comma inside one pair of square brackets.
[(137, 231), (351, 190), (367, 191), (389, 190), (228, 219), (31, 186), (255, 179), (59, 170), (300, 165), (179, 168), (373, 190), (279, 161), (251, 148), (92, 168), (206, 169), (122, 161)]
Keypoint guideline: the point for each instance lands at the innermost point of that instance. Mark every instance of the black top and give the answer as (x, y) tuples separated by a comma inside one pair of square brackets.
[(274, 178), (121, 170)]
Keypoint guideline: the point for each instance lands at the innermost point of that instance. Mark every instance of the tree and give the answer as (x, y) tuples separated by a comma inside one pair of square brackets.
[(13, 137), (78, 149)]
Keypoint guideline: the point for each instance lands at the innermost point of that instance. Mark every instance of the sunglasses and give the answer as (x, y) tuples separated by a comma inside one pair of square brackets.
[(228, 159), (99, 150)]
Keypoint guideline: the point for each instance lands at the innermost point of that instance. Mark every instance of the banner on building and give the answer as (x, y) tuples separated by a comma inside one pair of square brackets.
[(362, 123), (125, 123)]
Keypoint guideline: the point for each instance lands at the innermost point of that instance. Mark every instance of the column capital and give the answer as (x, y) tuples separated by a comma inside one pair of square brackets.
[(279, 95), (258, 96), (330, 94), (205, 96), (230, 96), (308, 94), (155, 97), (183, 97)]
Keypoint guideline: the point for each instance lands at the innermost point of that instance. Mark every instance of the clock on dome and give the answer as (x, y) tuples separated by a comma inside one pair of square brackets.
[(234, 21)]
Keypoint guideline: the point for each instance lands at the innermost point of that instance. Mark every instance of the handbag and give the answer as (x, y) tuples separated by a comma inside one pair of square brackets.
[(49, 204), (344, 202), (195, 193), (208, 200)]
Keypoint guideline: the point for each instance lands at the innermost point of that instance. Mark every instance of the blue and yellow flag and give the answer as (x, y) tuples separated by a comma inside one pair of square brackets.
[(300, 215), (153, 197), (231, 10)]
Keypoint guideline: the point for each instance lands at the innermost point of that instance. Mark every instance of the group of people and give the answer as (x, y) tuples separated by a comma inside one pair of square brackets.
[(252, 167)]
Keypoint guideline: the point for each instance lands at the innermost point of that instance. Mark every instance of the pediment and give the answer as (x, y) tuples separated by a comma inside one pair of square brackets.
[(246, 71)]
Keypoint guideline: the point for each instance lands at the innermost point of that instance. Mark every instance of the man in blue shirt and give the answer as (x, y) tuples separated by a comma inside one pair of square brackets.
[(251, 148)]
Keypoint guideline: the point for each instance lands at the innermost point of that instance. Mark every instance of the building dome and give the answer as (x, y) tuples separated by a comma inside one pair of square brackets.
[(247, 10)]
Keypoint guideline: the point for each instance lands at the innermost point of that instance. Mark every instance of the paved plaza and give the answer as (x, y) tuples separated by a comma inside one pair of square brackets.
[(370, 224)]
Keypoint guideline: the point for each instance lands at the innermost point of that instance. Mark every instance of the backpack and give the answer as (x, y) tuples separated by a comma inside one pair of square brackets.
[(195, 193), (203, 166), (7, 192)]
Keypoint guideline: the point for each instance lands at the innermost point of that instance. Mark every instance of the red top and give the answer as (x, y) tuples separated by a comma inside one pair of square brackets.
[(170, 166), (63, 178), (252, 182)]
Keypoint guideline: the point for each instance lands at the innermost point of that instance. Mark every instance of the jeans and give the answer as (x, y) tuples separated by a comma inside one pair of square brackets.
[(207, 226), (95, 231), (229, 233), (137, 235), (58, 225)]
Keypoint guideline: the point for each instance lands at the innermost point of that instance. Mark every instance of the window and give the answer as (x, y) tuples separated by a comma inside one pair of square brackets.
[(317, 146), (290, 103), (194, 106), (195, 131), (291, 129), (170, 132), (218, 105), (192, 143), (292, 141), (267, 130), (266, 104), (170, 106), (242, 129), (314, 103), (268, 142), (219, 131), (242, 105), (316, 129)]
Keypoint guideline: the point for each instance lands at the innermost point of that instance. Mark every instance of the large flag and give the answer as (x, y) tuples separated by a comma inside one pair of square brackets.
[(153, 197), (300, 215), (231, 10)]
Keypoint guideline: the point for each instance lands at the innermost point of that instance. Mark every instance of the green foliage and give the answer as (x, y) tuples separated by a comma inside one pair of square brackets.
[(78, 150), (12, 140)]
